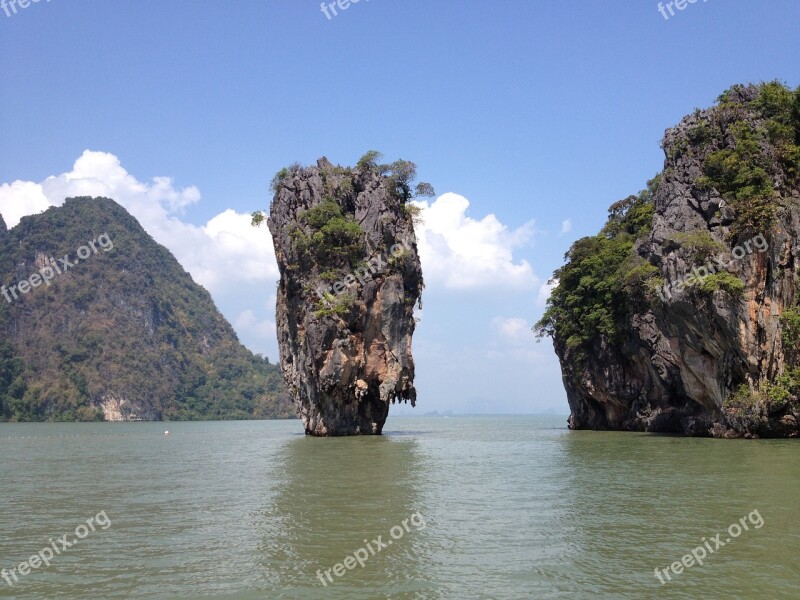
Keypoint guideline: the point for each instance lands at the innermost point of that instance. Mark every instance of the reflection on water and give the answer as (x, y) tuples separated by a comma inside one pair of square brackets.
[(336, 494), (515, 507), (642, 501)]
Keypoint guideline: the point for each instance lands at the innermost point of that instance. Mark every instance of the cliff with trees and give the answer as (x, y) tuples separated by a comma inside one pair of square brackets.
[(682, 315), (350, 278)]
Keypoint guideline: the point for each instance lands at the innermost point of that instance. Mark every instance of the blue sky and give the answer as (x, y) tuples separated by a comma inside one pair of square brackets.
[(529, 117)]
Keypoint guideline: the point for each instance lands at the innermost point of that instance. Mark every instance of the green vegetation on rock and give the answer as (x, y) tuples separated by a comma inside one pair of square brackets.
[(593, 294), (790, 332), (283, 175), (744, 171), (401, 175), (699, 243), (603, 278), (326, 239), (628, 343), (723, 281), (129, 324), (336, 239)]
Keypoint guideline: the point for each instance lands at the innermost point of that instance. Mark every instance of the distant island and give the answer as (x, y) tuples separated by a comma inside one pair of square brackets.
[(99, 322), (683, 314)]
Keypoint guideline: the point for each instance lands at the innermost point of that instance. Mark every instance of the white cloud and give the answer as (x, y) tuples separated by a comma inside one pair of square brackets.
[(226, 253), (19, 199), (545, 290), (237, 263), (513, 340), (566, 226), (459, 252), (511, 328), (247, 320), (227, 250)]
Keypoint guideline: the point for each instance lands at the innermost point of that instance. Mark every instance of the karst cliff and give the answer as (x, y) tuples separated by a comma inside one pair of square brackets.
[(350, 277), (682, 314)]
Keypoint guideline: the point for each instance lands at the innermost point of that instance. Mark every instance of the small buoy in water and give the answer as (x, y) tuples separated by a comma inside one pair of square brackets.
[(166, 433)]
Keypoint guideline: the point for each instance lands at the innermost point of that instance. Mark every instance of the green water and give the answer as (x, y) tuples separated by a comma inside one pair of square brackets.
[(513, 507)]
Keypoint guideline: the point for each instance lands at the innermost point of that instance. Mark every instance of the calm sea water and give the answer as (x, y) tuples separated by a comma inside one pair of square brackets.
[(513, 507)]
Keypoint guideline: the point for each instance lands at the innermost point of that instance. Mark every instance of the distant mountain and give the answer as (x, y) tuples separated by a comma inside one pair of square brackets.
[(98, 321)]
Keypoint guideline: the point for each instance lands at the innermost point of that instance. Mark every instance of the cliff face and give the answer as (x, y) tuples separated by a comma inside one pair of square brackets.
[(98, 321), (350, 277), (702, 338)]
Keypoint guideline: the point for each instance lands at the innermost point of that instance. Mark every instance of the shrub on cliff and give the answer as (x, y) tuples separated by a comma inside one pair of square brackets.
[(593, 291), (752, 151), (722, 281), (283, 175), (333, 239), (401, 175), (699, 243)]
